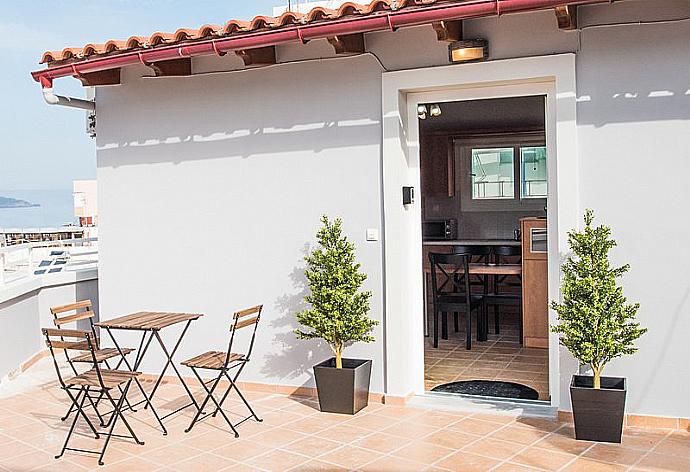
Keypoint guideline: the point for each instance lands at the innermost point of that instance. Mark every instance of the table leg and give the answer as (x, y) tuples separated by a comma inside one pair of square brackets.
[(171, 363), (137, 362), (426, 305)]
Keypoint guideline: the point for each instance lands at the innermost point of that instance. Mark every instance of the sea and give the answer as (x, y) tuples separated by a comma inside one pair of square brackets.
[(56, 209)]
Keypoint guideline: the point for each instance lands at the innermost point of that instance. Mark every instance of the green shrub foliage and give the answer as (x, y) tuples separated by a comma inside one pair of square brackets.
[(595, 321), (338, 312)]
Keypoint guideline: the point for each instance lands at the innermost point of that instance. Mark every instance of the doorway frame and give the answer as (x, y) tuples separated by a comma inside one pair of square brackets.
[(553, 76)]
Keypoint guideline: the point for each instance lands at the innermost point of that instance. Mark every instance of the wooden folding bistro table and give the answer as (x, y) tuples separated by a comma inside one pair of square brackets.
[(149, 322)]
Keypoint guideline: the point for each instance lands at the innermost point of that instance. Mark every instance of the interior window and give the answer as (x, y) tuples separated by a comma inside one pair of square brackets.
[(533, 172), (493, 173)]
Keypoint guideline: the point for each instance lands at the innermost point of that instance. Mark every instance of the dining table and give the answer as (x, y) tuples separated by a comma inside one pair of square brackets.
[(150, 324), (474, 268)]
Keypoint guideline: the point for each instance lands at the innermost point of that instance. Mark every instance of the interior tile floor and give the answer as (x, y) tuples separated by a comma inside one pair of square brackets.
[(295, 436), (500, 358)]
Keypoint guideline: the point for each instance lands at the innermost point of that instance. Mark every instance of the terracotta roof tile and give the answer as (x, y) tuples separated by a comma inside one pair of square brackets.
[(232, 27)]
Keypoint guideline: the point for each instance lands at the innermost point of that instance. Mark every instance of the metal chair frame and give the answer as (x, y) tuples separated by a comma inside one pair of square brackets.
[(460, 296), (75, 317), (84, 390), (232, 361)]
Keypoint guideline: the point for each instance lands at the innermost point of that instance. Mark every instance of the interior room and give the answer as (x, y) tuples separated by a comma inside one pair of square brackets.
[(484, 198)]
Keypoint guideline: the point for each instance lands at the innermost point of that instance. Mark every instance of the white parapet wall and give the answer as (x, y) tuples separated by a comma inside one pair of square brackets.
[(25, 309)]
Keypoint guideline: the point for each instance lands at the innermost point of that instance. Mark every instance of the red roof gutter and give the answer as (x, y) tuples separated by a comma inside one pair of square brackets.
[(369, 23)]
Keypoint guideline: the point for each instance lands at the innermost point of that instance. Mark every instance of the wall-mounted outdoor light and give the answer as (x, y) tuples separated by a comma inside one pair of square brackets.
[(433, 111), (470, 50), (408, 195), (421, 112)]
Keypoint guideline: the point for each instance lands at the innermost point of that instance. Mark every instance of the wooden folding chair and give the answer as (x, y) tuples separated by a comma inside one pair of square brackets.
[(83, 310), (95, 381), (223, 362)]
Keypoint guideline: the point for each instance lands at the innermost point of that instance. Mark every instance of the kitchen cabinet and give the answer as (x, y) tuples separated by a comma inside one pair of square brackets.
[(438, 166), (535, 303)]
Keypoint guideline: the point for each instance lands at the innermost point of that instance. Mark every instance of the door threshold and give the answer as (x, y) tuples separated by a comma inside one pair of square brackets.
[(475, 404)]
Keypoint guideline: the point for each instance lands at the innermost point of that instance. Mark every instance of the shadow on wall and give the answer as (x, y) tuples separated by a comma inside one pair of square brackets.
[(333, 104), (634, 74), (292, 357)]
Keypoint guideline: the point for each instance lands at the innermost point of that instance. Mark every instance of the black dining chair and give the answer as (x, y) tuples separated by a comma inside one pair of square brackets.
[(479, 254), (506, 289), (453, 293)]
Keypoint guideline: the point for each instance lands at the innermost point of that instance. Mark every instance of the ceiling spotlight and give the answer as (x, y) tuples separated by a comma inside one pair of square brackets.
[(421, 112), (435, 110), (469, 51)]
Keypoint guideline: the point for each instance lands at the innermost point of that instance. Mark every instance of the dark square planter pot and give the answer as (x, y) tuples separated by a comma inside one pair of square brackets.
[(598, 413), (343, 390)]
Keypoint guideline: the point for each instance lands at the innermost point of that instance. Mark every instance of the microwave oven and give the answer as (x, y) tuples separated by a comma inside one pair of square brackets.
[(440, 229)]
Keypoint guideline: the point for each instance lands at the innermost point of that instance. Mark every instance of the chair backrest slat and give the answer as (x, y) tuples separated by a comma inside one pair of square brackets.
[(239, 323), (247, 322), (83, 304), (75, 317), (66, 333), (85, 343), (248, 311), (75, 346)]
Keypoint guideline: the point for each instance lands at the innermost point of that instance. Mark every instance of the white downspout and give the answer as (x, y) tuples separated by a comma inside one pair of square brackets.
[(53, 99)]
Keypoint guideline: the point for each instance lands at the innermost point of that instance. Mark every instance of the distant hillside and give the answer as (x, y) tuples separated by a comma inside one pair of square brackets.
[(6, 202)]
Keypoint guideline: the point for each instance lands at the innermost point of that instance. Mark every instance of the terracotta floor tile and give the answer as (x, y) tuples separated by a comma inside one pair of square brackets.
[(589, 465), (640, 438), (519, 434), (451, 438), (344, 433), (14, 448), (133, 464), (203, 463), (539, 423), (438, 419), (466, 462), (277, 460), (313, 446), (410, 430), (494, 417), (511, 467), (494, 448), (674, 445), (241, 450), (392, 464), (373, 422), (350, 457), (171, 454), (318, 466), (309, 425), (382, 442), (277, 437), (28, 461), (476, 427), (662, 462), (423, 452), (559, 443), (543, 458), (616, 454)]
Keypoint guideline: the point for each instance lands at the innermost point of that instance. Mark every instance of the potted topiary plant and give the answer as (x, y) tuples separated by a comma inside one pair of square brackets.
[(596, 325), (338, 315)]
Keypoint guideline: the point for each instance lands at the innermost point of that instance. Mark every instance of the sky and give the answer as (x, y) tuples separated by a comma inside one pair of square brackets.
[(46, 147)]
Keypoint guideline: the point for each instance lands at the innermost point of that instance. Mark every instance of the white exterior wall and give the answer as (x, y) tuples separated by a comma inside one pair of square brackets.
[(224, 178)]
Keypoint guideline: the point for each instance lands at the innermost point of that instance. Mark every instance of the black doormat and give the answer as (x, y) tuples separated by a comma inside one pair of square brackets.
[(489, 388)]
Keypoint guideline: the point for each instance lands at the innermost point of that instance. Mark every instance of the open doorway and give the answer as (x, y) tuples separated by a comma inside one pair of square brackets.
[(483, 166)]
